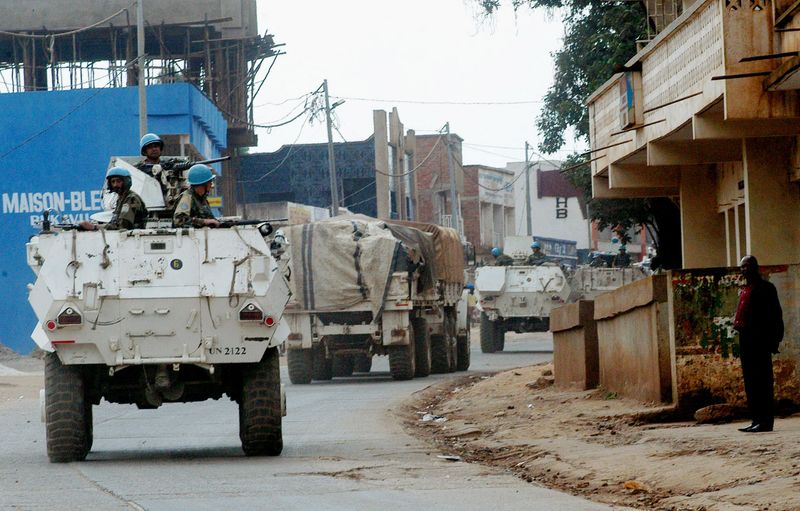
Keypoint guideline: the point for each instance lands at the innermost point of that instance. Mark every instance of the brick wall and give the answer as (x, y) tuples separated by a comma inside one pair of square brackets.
[(433, 174)]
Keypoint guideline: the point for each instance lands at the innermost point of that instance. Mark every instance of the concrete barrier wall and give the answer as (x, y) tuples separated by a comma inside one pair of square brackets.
[(633, 340), (575, 355)]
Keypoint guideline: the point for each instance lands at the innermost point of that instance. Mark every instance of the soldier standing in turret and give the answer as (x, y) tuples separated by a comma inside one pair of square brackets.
[(537, 257)]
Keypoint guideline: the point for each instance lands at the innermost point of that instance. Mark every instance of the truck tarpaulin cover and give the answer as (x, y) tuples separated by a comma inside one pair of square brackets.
[(340, 263), (420, 249), (449, 263)]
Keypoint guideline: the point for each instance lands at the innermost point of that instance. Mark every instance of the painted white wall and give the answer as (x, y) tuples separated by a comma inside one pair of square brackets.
[(544, 217)]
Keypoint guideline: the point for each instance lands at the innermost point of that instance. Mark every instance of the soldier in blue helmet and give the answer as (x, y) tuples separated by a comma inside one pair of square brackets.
[(622, 259), (130, 211), (537, 257), (150, 146), (192, 209), (501, 259)]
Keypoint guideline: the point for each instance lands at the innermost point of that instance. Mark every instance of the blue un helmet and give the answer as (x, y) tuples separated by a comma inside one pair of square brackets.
[(536, 244), (150, 138), (470, 286), (119, 172), (496, 252), (200, 174)]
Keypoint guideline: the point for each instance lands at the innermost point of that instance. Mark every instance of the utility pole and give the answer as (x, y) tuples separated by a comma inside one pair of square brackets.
[(140, 64), (454, 206), (528, 190), (331, 160)]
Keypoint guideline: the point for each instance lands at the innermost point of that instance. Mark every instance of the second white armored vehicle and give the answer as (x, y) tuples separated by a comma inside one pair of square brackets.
[(517, 298)]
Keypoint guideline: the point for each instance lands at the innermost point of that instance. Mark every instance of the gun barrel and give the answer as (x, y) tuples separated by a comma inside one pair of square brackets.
[(212, 160)]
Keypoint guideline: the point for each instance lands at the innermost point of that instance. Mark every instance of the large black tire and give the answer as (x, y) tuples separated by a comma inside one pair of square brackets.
[(451, 327), (499, 336), (68, 414), (260, 428), (463, 345), (422, 347), (322, 367), (440, 354), (362, 363), (301, 364), (488, 344), (402, 360), (343, 365)]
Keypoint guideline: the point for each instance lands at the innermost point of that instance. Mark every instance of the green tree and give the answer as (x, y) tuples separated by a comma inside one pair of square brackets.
[(600, 36)]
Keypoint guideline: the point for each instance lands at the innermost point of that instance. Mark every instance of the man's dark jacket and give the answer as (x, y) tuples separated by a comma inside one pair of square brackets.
[(763, 317)]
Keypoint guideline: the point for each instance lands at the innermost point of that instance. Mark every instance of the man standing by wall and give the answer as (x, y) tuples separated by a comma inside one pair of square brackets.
[(759, 321)]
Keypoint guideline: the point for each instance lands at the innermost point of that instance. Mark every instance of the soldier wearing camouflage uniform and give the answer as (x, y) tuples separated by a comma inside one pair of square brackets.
[(130, 211), (501, 259), (192, 208), (537, 257)]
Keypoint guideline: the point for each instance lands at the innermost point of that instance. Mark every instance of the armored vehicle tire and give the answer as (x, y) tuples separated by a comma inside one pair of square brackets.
[(322, 367), (301, 364), (362, 363), (260, 408), (422, 347), (343, 365), (499, 336), (68, 414), (488, 344), (402, 361), (462, 345)]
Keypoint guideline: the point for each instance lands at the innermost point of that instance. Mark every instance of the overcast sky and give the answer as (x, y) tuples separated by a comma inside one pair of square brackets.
[(415, 51)]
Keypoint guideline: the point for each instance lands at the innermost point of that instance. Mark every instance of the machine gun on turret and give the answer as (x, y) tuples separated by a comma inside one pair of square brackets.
[(171, 175)]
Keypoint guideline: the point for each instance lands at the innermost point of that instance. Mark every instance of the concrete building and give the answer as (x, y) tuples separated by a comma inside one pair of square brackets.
[(433, 178), (487, 207), (215, 45), (373, 175), (707, 113), (54, 152), (557, 208)]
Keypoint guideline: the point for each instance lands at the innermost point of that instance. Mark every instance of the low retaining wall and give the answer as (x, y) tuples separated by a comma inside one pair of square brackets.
[(633, 340), (575, 355)]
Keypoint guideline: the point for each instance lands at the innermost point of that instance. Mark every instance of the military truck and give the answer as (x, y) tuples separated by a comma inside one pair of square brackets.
[(519, 297), (158, 315), (363, 288)]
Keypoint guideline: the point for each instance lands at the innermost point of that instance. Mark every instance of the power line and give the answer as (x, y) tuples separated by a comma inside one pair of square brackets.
[(431, 102), (285, 158), (70, 32), (415, 168), (360, 202), (477, 182), (358, 191), (60, 119), (281, 103)]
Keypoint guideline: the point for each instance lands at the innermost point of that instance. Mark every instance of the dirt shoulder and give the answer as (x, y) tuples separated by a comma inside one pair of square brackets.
[(594, 445)]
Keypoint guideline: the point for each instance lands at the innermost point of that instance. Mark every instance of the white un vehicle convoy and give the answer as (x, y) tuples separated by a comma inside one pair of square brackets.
[(517, 298), (158, 315)]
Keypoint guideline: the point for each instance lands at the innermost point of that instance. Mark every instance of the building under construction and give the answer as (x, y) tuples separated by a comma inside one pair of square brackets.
[(67, 71), (50, 45)]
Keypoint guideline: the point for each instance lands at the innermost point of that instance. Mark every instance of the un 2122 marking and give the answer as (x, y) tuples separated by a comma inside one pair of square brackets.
[(229, 350)]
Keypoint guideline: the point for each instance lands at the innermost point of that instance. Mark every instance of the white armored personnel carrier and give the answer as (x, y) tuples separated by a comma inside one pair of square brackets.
[(517, 298), (158, 315)]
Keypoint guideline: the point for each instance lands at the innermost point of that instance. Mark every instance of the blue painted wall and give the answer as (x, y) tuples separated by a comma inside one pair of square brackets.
[(299, 173), (58, 145)]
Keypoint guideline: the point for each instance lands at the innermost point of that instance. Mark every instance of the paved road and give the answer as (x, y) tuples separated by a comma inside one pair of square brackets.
[(342, 451)]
